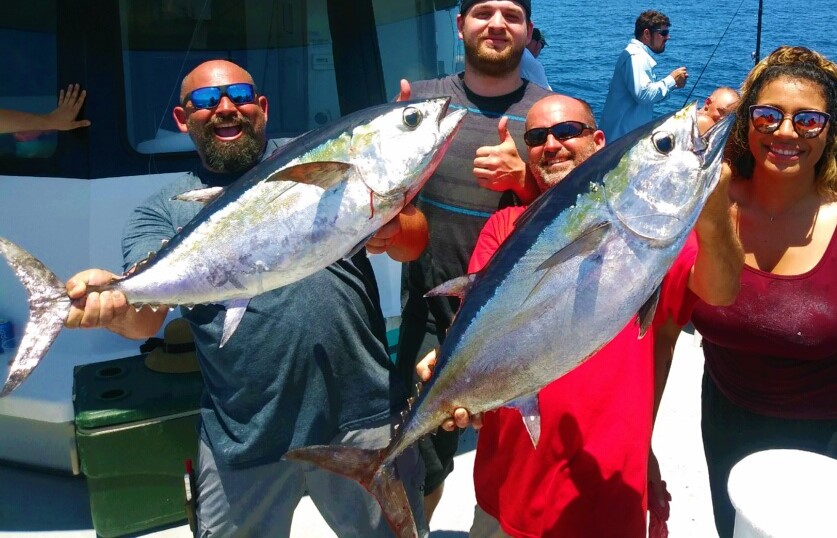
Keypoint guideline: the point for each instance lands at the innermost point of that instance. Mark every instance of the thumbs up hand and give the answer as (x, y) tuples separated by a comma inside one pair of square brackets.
[(500, 168)]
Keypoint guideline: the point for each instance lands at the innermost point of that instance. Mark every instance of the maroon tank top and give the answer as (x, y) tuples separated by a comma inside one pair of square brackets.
[(774, 351)]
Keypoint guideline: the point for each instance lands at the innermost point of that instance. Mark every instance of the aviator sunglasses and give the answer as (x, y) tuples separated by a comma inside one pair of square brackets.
[(767, 119), (239, 93), (561, 131)]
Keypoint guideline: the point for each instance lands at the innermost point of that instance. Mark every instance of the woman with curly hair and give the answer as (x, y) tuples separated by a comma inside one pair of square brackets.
[(771, 358)]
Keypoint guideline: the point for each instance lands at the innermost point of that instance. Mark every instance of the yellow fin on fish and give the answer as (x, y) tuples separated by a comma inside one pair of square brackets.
[(325, 174), (456, 287), (203, 196), (647, 311)]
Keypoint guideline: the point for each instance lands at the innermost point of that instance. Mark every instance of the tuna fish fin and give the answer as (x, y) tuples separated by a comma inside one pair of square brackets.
[(646, 312), (358, 246), (365, 467), (235, 311), (531, 413), (325, 174), (203, 196), (587, 241), (457, 287), (48, 309)]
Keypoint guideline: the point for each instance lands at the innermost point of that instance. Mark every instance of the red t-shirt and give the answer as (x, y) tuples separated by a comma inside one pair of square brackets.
[(588, 476)]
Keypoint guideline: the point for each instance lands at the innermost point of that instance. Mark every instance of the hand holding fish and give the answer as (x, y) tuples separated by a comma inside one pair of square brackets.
[(720, 257), (715, 214), (108, 309), (461, 417), (403, 238)]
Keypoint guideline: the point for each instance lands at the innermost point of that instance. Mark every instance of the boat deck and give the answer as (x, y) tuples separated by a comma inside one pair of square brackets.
[(34, 503)]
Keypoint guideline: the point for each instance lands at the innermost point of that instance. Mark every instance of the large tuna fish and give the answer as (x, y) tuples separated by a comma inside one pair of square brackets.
[(583, 260), (313, 202)]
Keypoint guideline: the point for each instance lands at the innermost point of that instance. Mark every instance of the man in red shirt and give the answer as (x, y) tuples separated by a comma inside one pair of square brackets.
[(588, 475)]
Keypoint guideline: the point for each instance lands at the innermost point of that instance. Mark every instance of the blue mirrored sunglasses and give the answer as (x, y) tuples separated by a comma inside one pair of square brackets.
[(239, 93)]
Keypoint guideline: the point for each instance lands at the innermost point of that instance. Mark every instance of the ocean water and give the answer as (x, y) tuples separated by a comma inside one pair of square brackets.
[(586, 36)]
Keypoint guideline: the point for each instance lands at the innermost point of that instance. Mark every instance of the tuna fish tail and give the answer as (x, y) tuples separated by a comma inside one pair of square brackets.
[(368, 468), (48, 309)]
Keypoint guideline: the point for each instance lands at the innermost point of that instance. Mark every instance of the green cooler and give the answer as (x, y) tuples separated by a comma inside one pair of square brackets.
[(134, 429)]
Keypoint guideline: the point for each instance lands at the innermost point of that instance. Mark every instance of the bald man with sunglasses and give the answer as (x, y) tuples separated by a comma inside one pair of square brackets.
[(308, 363), (634, 87), (588, 475)]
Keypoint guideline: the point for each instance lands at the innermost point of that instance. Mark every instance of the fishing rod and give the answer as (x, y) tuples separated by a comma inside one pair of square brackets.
[(716, 48), (757, 53)]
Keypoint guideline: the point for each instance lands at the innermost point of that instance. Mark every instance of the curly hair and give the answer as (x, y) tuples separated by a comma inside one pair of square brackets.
[(797, 63)]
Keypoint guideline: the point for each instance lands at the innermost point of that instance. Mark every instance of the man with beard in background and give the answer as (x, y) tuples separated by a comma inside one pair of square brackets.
[(280, 383), (634, 87), (478, 171)]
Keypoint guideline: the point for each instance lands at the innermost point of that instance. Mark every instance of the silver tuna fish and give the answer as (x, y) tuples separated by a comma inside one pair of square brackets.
[(582, 261), (315, 201)]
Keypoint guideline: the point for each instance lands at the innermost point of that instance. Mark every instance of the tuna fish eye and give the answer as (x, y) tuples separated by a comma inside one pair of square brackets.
[(663, 142), (411, 117)]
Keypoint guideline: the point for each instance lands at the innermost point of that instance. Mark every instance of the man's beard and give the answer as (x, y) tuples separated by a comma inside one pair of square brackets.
[(491, 62), (547, 178), (228, 156)]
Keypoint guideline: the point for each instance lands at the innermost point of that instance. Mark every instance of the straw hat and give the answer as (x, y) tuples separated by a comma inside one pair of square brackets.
[(175, 353)]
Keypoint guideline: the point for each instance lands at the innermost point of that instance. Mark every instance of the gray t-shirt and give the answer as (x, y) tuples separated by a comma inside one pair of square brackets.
[(456, 207), (307, 361)]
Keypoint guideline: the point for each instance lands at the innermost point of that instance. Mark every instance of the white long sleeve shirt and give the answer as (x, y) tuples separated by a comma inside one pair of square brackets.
[(532, 70), (633, 91)]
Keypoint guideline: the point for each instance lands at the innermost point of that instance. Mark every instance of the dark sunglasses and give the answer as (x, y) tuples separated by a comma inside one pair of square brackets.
[(663, 33), (561, 131), (767, 119), (239, 93)]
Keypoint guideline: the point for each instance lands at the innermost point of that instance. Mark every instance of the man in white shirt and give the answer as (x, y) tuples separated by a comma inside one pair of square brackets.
[(634, 87), (530, 68)]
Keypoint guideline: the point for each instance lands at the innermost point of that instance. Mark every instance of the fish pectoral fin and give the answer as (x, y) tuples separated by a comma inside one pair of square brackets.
[(531, 413), (646, 312), (587, 241), (324, 174), (203, 196), (358, 247), (235, 311), (457, 287)]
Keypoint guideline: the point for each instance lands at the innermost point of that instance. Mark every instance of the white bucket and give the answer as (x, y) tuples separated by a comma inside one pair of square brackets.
[(784, 494)]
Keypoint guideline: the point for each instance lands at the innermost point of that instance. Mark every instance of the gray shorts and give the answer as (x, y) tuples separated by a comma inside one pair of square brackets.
[(260, 501)]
